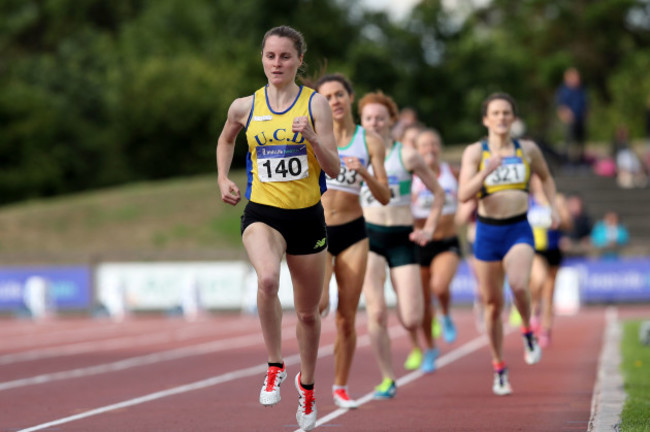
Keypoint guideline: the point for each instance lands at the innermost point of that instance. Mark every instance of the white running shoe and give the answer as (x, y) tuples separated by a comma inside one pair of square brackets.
[(501, 386), (307, 413), (270, 393), (342, 399), (532, 350)]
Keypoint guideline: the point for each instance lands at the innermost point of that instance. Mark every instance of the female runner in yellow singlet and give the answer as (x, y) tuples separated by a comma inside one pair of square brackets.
[(291, 147)]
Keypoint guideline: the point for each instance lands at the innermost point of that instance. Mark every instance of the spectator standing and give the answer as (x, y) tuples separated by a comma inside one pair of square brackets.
[(572, 108)]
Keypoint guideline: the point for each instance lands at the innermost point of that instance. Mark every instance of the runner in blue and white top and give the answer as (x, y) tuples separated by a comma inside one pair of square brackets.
[(347, 255), (350, 180)]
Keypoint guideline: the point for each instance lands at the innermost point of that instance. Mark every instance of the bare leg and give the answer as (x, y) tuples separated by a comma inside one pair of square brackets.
[(265, 247), (407, 283), (547, 299), (444, 268), (325, 296), (490, 280), (538, 277), (350, 267), (429, 311), (307, 276), (518, 262), (415, 357), (373, 290)]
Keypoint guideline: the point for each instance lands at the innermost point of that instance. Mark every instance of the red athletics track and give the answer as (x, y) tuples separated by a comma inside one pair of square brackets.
[(164, 374)]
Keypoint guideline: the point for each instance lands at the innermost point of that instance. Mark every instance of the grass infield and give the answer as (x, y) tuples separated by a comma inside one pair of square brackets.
[(176, 219), (635, 367)]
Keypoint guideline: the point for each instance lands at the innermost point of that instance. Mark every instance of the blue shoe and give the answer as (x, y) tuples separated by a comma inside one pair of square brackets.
[(448, 329), (386, 390), (429, 361)]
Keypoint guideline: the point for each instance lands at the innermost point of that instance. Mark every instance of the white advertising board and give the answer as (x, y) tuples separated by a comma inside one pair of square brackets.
[(165, 285), (123, 287)]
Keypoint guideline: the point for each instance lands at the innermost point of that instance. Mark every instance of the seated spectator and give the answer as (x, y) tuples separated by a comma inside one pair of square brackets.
[(609, 235), (576, 241), (630, 171)]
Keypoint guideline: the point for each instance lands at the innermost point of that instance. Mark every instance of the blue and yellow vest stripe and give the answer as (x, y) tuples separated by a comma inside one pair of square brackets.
[(512, 174)]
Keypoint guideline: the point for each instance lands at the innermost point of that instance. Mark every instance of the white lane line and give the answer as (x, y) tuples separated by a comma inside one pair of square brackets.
[(197, 385), (460, 352), (608, 396), (46, 334), (178, 334), (174, 354), (259, 369)]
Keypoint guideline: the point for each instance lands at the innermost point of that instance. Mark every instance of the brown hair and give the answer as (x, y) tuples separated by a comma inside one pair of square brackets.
[(289, 33), (498, 96), (336, 77), (379, 97)]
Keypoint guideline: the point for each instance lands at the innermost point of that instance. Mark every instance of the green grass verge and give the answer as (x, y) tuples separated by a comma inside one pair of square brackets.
[(636, 375), (182, 218)]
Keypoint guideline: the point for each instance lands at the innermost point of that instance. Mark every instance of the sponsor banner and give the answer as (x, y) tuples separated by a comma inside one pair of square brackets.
[(233, 285), (168, 285), (615, 281), (579, 281), (59, 288)]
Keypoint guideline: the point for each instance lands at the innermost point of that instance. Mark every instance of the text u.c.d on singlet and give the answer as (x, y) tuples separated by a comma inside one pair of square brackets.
[(282, 168)]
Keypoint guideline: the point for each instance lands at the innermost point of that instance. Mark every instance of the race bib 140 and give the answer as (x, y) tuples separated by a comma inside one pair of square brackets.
[(282, 163)]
